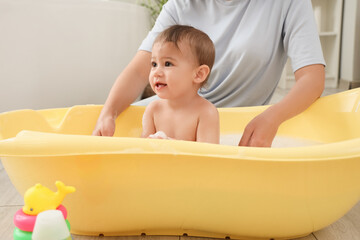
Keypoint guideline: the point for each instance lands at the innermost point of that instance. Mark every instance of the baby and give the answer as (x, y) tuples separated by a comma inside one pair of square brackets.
[(182, 58)]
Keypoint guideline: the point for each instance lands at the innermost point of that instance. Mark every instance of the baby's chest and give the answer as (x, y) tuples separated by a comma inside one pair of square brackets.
[(178, 126)]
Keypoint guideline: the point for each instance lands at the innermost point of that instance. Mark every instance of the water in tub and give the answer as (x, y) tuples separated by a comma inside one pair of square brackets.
[(279, 141)]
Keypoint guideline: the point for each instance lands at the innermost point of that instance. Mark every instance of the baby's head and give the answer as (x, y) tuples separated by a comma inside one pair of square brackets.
[(199, 43)]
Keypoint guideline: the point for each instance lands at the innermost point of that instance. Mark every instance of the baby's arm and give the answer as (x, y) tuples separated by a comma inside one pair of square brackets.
[(148, 122), (209, 125)]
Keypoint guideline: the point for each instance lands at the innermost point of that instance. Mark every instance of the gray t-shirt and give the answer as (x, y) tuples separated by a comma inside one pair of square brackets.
[(252, 38)]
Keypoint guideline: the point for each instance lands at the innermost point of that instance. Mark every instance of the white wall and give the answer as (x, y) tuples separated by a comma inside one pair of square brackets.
[(350, 51), (60, 53)]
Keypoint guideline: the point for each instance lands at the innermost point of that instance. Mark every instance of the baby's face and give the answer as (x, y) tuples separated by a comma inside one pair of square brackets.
[(173, 70)]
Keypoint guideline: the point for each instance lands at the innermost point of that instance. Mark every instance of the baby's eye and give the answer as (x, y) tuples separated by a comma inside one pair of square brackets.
[(153, 64), (168, 64)]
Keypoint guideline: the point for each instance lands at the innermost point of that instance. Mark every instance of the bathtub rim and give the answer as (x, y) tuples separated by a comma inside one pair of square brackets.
[(27, 143), (31, 144)]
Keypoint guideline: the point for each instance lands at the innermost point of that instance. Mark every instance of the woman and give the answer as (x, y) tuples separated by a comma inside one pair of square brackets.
[(253, 39)]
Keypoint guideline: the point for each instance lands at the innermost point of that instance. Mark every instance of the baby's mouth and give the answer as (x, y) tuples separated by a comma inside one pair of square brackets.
[(159, 85)]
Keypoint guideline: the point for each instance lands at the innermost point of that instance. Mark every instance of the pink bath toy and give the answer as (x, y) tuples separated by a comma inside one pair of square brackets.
[(26, 222)]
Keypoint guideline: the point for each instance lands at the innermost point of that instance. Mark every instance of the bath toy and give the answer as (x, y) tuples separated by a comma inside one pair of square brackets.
[(19, 234), (50, 225), (39, 198), (176, 187), (26, 222)]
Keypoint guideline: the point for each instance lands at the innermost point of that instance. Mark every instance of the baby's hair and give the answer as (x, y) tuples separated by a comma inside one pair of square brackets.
[(200, 43)]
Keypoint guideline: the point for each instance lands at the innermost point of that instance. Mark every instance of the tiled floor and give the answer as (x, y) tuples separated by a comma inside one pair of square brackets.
[(346, 228)]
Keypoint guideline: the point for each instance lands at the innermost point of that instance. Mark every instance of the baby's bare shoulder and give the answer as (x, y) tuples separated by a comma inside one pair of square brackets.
[(155, 105), (207, 109)]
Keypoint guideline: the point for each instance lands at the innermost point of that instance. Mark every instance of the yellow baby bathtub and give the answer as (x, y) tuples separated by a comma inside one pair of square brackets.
[(127, 185)]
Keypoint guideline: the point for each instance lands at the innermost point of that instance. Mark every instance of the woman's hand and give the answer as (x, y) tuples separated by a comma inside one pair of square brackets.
[(105, 126), (260, 132), (309, 85)]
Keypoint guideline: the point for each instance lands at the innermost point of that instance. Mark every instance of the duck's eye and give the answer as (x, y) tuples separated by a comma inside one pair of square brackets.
[(168, 64), (31, 209), (153, 64)]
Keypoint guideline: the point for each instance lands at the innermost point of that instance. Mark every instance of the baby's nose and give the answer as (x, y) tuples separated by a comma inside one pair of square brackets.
[(158, 72)]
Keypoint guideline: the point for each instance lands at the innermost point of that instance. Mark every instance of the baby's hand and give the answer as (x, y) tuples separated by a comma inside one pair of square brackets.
[(159, 135)]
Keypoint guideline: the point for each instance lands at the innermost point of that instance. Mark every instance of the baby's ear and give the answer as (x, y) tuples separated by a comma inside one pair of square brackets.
[(201, 73)]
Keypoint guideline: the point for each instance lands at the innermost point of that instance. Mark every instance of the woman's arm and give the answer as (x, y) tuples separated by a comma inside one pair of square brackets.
[(309, 85), (127, 87)]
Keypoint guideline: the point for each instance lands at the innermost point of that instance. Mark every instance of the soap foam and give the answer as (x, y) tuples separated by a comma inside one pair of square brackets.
[(279, 141)]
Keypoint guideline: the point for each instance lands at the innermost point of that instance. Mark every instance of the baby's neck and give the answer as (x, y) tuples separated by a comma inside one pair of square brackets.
[(182, 102)]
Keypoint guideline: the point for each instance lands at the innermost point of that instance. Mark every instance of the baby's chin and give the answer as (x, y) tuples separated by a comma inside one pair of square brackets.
[(163, 96)]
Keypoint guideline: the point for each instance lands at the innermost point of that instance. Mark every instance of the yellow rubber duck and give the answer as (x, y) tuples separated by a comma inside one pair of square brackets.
[(39, 198)]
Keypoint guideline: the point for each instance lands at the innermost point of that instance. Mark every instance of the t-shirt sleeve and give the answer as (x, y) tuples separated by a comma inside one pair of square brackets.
[(166, 18), (300, 35)]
